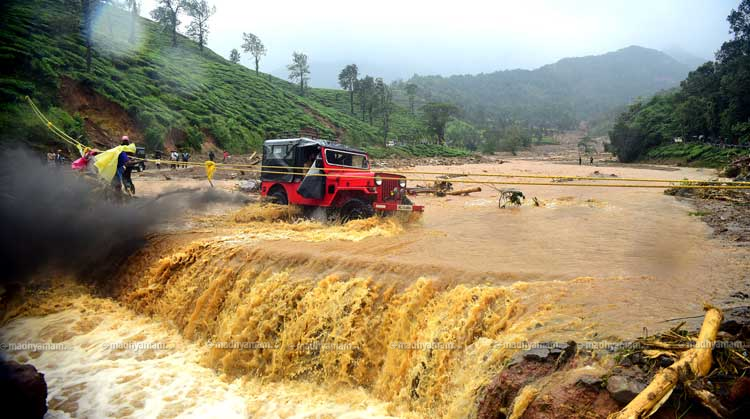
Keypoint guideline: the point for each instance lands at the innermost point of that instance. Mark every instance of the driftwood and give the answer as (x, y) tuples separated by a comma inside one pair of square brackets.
[(419, 189), (695, 362), (464, 191)]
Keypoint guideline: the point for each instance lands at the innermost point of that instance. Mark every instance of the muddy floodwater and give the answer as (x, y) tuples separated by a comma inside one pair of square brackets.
[(249, 312)]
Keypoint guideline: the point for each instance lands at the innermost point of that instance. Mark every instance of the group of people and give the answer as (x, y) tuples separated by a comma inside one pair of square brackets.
[(56, 157), (119, 162), (176, 157)]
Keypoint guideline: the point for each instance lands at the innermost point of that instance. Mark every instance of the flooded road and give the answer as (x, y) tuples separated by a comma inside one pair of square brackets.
[(380, 317)]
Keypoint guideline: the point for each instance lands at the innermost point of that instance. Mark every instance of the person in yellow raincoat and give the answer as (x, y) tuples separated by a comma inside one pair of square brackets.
[(111, 163)]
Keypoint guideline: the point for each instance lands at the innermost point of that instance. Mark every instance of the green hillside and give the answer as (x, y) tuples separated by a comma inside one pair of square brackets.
[(403, 125), (163, 95), (558, 95), (710, 111)]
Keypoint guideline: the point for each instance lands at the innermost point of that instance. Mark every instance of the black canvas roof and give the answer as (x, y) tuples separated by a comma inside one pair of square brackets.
[(304, 142)]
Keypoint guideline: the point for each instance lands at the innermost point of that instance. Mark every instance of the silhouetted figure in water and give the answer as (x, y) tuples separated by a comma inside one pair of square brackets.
[(580, 160), (592, 160)]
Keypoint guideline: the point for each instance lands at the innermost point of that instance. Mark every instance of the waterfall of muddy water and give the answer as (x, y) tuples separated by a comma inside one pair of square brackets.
[(384, 317), (108, 362)]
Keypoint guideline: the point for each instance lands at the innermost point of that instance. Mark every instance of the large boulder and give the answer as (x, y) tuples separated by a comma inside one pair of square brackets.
[(23, 391)]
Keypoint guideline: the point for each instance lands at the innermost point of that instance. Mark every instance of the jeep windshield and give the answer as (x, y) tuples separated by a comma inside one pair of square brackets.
[(346, 159)]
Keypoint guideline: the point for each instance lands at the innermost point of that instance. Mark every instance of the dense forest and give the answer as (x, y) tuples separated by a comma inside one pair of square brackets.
[(711, 106)]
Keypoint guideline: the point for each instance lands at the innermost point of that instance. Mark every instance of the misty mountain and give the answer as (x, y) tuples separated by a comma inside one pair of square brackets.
[(560, 94), (679, 54)]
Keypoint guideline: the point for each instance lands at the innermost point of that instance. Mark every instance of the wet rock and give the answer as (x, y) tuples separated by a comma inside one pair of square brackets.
[(739, 394), (23, 391), (524, 368), (734, 320), (546, 352), (624, 388), (665, 361), (249, 186), (498, 395), (537, 354), (590, 380), (572, 401)]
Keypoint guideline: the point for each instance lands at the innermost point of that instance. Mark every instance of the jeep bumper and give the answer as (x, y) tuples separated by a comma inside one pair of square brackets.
[(394, 206)]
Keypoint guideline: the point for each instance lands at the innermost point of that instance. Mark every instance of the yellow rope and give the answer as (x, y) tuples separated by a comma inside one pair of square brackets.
[(489, 182)]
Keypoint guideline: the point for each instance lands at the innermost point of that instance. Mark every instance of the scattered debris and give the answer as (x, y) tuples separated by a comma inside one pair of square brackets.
[(706, 369), (510, 197), (738, 169), (602, 175)]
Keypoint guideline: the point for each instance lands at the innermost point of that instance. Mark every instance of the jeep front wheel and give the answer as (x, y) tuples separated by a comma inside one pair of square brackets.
[(356, 209), (278, 196)]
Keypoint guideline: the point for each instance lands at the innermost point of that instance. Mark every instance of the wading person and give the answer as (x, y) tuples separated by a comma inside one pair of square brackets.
[(127, 181), (211, 155)]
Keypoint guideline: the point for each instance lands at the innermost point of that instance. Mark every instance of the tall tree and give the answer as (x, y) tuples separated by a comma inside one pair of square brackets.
[(347, 81), (299, 70), (200, 11), (234, 56), (88, 8), (385, 106), (436, 115), (411, 91), (254, 46), (365, 88), (168, 15)]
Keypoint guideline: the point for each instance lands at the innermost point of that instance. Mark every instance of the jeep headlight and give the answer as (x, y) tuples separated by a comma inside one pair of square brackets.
[(378, 181), (402, 183)]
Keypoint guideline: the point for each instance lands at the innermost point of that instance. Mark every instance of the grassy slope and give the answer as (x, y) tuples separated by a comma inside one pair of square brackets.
[(160, 87), (402, 124), (693, 154)]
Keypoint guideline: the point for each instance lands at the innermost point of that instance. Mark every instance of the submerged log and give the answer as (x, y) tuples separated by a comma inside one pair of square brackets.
[(695, 362), (464, 191)]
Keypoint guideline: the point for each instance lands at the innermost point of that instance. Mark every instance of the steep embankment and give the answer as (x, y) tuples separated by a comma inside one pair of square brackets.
[(146, 88)]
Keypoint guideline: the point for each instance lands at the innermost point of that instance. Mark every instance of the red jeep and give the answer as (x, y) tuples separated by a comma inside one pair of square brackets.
[(318, 173)]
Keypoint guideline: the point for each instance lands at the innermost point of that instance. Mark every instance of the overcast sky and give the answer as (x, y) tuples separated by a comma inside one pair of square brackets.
[(402, 37)]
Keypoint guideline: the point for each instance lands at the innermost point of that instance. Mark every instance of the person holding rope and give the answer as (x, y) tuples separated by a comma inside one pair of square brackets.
[(122, 160)]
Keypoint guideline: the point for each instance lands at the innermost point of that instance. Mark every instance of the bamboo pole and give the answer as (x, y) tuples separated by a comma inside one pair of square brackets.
[(695, 362)]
